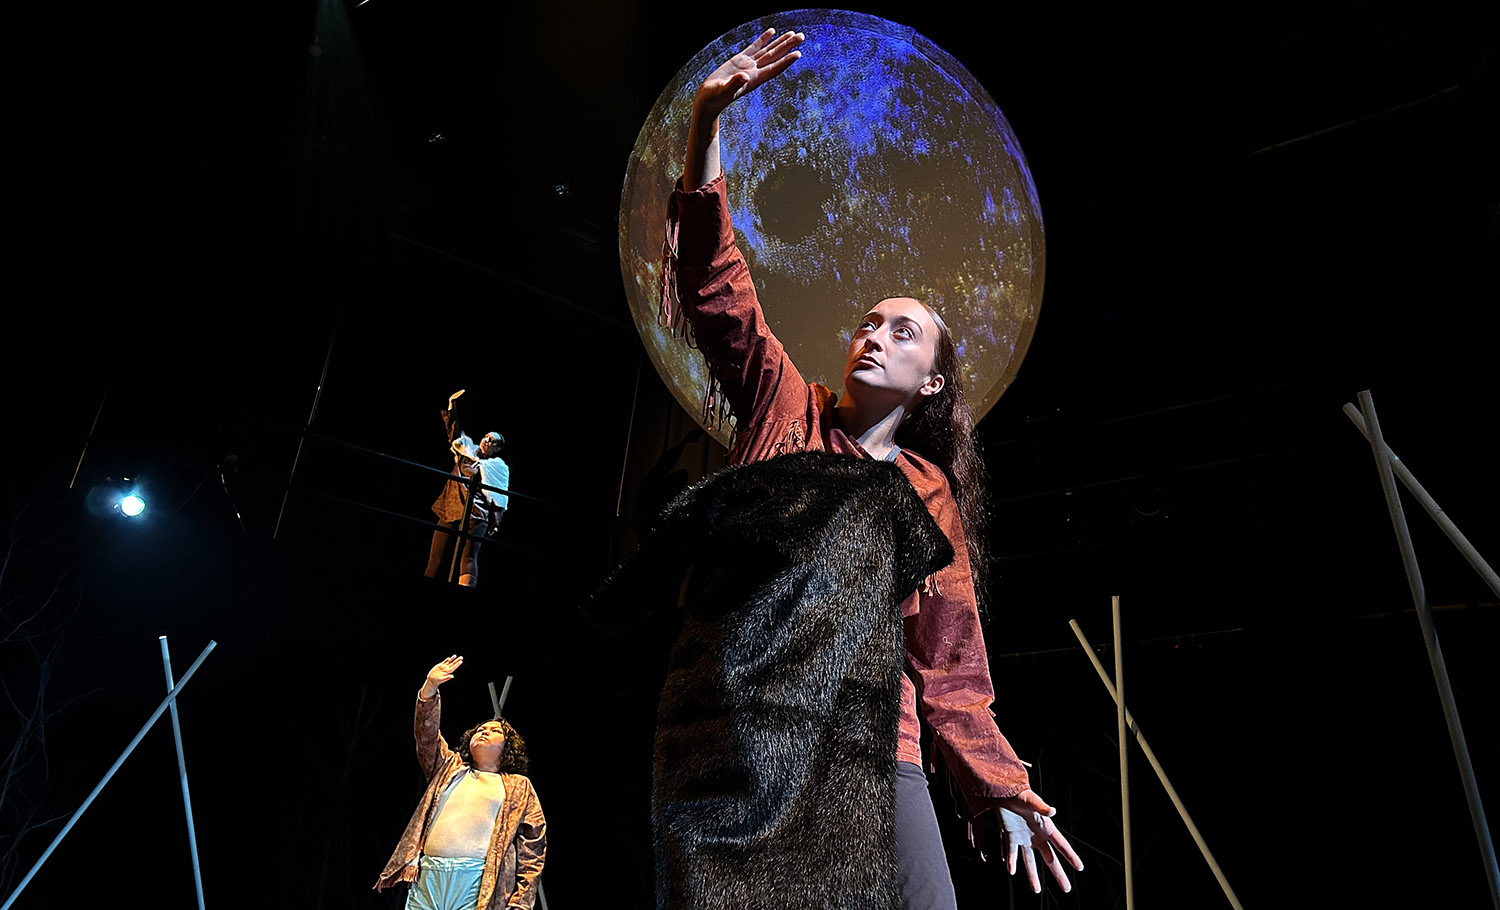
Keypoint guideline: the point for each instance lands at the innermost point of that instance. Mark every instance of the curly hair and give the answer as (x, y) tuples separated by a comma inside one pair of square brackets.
[(513, 760), (941, 429)]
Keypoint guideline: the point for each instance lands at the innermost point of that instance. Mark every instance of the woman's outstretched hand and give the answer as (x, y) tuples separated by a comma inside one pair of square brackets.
[(441, 672), (1026, 822), (746, 71), (736, 77)]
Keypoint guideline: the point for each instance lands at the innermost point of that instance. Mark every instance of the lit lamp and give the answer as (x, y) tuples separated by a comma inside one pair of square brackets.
[(120, 497)]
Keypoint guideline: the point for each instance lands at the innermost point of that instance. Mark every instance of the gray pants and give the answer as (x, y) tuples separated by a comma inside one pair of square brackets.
[(922, 865)]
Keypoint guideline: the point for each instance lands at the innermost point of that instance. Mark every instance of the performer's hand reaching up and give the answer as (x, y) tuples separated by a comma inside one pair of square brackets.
[(743, 73), (1026, 823), (736, 77), (441, 672)]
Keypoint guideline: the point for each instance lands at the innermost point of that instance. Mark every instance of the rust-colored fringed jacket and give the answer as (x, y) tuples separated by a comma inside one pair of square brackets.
[(777, 411), (518, 845)]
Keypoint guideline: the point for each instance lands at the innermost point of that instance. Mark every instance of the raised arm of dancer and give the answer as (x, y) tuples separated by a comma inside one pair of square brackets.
[(705, 269), (736, 77), (450, 416), (432, 749)]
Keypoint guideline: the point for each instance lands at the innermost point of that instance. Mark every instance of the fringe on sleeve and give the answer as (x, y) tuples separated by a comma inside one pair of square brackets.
[(672, 316)]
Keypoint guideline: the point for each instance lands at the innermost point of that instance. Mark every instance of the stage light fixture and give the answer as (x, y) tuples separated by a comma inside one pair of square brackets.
[(128, 499), (123, 496)]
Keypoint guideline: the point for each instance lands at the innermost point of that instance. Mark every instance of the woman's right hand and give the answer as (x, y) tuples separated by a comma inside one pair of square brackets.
[(745, 72), (440, 673), (736, 77)]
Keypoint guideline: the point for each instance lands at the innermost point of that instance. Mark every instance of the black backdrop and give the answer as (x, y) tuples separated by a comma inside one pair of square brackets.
[(1253, 213)]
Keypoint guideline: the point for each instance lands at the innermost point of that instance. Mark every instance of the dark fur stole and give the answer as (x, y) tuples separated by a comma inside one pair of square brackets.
[(777, 724)]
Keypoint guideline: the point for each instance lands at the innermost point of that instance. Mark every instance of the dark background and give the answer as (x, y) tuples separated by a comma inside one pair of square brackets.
[(1254, 212)]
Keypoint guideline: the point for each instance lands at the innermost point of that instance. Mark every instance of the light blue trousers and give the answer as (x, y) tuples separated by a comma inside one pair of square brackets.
[(446, 883)]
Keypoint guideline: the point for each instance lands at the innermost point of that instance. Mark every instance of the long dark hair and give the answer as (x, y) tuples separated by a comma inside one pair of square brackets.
[(513, 759), (941, 429)]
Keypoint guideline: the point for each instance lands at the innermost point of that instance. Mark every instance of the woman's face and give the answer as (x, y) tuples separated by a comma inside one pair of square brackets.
[(488, 742), (893, 352)]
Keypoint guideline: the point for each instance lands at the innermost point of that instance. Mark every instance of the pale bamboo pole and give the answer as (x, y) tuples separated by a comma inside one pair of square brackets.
[(1161, 773), (1383, 459), (187, 800), (155, 715)]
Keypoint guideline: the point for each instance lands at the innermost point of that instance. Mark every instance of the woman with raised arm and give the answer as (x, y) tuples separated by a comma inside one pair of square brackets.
[(478, 838), (485, 506), (902, 403)]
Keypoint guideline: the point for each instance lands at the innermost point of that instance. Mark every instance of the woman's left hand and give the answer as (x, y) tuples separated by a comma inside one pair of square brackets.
[(1026, 823)]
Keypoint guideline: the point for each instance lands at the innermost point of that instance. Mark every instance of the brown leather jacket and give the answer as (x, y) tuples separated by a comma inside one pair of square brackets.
[(777, 411), (518, 846)]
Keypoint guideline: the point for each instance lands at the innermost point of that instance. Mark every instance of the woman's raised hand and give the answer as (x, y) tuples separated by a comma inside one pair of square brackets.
[(441, 672), (766, 56), (746, 71)]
